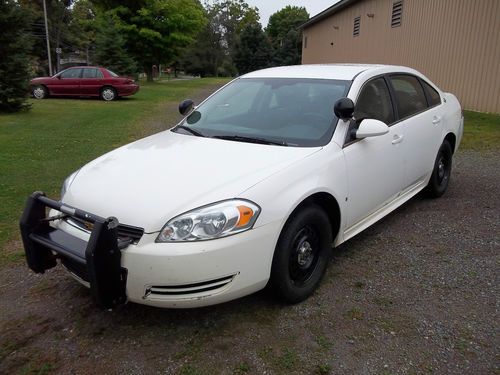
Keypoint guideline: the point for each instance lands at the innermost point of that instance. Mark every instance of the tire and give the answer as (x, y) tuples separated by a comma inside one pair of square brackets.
[(39, 92), (301, 255), (108, 93), (441, 173)]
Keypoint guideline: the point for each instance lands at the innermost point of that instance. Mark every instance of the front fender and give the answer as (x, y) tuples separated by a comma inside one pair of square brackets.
[(281, 193)]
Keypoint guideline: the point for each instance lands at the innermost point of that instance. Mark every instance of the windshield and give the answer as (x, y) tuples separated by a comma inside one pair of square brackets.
[(286, 111)]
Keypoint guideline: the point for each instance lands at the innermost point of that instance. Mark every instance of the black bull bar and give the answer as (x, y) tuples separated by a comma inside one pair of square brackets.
[(99, 259)]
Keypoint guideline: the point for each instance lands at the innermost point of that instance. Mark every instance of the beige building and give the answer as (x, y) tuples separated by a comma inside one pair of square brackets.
[(456, 43)]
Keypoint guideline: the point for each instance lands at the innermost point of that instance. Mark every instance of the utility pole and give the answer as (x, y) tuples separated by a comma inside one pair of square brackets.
[(58, 55), (47, 36)]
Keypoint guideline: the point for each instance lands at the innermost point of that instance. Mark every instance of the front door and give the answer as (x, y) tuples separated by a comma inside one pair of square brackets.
[(67, 83), (375, 169)]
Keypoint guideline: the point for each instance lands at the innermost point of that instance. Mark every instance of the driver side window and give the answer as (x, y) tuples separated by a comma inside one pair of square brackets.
[(374, 102), (71, 73)]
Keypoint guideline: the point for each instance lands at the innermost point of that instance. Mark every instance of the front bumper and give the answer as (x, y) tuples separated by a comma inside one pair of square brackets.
[(98, 260), (194, 274), (175, 275), (126, 90)]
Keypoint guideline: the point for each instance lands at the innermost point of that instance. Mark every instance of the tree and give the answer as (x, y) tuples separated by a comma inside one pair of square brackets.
[(83, 26), (156, 30), (253, 51), (285, 36), (15, 45), (231, 17), (59, 16), (213, 51), (110, 48), (205, 55), (289, 52)]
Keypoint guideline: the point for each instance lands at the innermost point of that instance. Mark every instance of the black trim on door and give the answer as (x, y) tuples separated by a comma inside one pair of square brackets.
[(392, 94), (347, 139), (427, 95), (399, 119)]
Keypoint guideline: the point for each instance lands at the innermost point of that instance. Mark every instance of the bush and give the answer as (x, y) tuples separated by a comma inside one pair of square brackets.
[(15, 45)]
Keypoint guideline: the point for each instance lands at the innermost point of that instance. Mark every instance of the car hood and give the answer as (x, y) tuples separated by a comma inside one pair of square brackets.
[(148, 182), (38, 79)]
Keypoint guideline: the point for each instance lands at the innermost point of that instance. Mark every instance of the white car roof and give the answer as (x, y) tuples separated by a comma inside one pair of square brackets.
[(321, 71)]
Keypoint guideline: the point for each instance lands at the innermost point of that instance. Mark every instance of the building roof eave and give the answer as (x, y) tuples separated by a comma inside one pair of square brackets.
[(335, 8)]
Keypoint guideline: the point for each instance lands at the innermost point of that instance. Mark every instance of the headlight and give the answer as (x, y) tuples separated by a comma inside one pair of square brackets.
[(209, 222), (68, 182)]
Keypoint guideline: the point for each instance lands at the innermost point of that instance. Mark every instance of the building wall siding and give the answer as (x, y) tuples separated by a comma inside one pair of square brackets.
[(456, 43)]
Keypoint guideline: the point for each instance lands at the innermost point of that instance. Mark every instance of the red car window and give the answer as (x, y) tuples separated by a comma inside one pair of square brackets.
[(71, 73), (92, 73), (113, 74)]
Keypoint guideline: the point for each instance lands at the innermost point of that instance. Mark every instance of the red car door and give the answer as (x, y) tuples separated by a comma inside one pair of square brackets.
[(67, 82), (91, 81)]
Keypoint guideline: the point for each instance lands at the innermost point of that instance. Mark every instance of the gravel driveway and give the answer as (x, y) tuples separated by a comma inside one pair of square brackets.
[(417, 293)]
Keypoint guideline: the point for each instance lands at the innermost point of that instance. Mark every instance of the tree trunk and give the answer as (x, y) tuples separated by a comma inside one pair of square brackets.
[(149, 72)]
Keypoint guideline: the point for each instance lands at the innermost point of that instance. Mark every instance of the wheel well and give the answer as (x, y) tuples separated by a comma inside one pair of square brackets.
[(329, 204), (106, 86), (40, 84), (452, 140)]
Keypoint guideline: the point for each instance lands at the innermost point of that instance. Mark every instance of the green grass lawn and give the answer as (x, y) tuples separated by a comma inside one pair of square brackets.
[(39, 148), (481, 131)]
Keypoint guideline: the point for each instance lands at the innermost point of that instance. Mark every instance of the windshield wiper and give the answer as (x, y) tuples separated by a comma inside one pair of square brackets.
[(190, 130), (240, 138)]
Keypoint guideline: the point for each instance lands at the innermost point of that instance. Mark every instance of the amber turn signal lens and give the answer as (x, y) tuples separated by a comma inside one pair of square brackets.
[(246, 214)]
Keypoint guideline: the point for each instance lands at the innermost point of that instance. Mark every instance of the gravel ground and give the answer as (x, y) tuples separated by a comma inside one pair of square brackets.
[(417, 293)]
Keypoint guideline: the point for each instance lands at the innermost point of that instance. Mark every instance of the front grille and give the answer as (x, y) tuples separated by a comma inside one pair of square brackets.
[(124, 231), (134, 233), (188, 289)]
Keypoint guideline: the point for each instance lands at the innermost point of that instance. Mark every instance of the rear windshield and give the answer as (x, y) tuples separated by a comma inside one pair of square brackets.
[(113, 74)]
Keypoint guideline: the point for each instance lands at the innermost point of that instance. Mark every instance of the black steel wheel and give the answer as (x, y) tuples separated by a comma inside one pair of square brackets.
[(441, 173), (302, 254)]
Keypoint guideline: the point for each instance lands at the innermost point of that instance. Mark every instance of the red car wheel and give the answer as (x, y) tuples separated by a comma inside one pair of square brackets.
[(108, 94), (39, 92)]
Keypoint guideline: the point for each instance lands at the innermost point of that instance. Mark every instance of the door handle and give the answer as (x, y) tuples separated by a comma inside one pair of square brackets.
[(397, 139), (436, 120)]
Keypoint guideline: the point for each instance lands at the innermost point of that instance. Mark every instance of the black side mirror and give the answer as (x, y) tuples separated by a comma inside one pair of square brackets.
[(344, 108), (186, 106)]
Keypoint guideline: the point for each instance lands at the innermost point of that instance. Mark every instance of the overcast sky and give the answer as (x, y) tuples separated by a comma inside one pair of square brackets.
[(268, 7)]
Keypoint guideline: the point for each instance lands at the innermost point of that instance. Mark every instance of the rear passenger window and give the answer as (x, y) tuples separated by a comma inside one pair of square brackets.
[(89, 73), (410, 97), (374, 102), (432, 95)]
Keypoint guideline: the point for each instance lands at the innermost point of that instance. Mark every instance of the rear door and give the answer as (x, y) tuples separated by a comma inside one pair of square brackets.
[(91, 81), (374, 165), (419, 115), (67, 83)]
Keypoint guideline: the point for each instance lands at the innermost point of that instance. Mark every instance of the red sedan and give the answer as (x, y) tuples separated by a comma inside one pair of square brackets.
[(84, 81)]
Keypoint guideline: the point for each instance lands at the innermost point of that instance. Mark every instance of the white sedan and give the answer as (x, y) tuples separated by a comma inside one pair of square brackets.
[(252, 188)]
